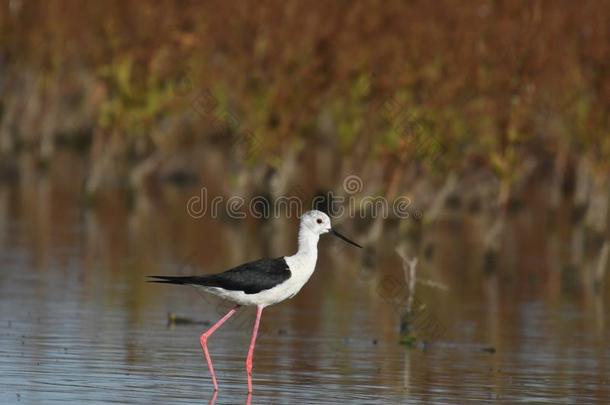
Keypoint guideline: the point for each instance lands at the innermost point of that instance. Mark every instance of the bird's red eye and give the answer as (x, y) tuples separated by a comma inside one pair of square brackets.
[(319, 221)]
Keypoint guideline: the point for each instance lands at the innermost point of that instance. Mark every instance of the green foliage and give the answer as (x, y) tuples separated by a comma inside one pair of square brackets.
[(409, 340), (135, 99)]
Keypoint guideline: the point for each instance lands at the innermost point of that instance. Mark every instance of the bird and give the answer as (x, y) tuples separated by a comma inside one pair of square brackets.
[(262, 282)]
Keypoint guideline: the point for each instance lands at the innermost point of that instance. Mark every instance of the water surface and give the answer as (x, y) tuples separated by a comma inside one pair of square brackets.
[(81, 325)]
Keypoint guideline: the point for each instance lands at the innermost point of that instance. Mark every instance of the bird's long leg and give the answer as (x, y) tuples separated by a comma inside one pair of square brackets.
[(259, 312), (204, 342)]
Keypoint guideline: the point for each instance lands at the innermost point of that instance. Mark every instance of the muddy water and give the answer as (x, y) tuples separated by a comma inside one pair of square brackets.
[(78, 324)]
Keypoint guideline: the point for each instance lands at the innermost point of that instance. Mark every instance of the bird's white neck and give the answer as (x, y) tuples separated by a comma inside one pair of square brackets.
[(303, 263), (308, 242)]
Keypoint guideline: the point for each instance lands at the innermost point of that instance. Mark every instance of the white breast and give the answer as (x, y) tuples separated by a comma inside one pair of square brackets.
[(301, 269)]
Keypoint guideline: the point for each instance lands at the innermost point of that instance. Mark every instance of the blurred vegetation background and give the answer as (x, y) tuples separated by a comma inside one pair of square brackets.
[(474, 108)]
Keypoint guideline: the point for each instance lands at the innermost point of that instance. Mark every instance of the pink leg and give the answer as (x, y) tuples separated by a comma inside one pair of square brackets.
[(213, 399), (259, 312), (204, 343)]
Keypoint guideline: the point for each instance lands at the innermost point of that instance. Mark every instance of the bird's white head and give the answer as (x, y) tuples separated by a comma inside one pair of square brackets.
[(315, 223)]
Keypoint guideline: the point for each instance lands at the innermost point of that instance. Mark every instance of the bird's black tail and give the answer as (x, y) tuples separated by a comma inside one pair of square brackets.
[(171, 279)]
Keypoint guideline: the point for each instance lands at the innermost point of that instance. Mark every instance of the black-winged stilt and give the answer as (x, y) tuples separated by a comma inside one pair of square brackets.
[(262, 282)]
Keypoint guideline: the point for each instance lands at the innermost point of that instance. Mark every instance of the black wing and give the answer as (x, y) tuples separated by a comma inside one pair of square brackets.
[(251, 278)]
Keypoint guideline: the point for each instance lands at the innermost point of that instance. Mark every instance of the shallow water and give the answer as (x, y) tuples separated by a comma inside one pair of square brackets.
[(81, 325)]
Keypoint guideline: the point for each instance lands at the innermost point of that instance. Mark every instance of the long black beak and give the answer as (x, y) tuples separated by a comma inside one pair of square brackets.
[(338, 235)]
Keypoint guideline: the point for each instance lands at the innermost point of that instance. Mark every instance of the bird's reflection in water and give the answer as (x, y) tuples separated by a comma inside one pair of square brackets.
[(213, 399)]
